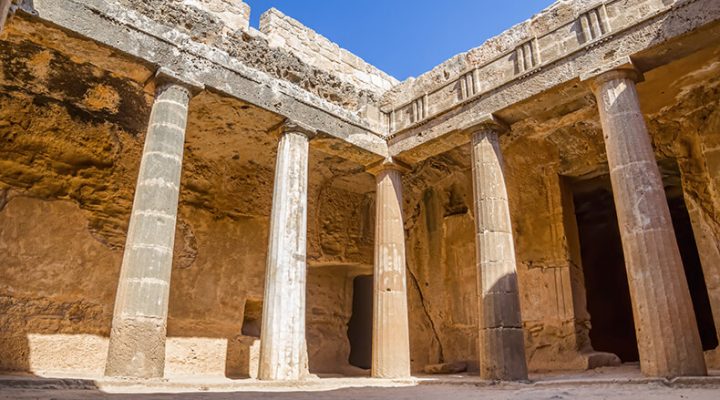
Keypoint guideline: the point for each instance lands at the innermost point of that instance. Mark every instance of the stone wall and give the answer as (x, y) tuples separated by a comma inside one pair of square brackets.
[(225, 33), (71, 136), (57, 305), (562, 29), (234, 14), (73, 116), (318, 51), (543, 155)]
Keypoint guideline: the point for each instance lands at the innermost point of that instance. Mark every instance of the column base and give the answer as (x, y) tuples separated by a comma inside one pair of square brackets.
[(390, 374), (137, 348), (289, 372), (503, 354), (712, 358)]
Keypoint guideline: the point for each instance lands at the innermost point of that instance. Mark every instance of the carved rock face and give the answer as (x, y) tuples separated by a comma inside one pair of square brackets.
[(73, 121)]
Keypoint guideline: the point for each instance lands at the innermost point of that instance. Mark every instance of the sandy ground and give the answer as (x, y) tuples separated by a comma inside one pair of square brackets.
[(434, 392), (624, 382)]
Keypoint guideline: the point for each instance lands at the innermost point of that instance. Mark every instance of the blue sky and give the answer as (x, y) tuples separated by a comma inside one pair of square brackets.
[(405, 37)]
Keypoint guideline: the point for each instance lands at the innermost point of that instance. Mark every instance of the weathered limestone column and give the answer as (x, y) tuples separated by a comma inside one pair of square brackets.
[(4, 11), (667, 334), (137, 338), (390, 337), (501, 340), (283, 349)]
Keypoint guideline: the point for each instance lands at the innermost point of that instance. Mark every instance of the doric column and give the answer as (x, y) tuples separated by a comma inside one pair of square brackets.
[(501, 341), (137, 338), (283, 350), (667, 334), (390, 337), (4, 11)]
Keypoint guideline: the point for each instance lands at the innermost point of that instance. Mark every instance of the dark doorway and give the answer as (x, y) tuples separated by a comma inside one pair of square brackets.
[(693, 267), (606, 284), (608, 294), (360, 325)]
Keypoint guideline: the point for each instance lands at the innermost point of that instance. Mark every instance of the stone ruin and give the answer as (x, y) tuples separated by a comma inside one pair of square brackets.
[(182, 194)]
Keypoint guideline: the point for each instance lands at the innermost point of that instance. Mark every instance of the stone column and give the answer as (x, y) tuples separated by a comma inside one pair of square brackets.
[(667, 334), (501, 340), (4, 11), (137, 338), (283, 350), (390, 337)]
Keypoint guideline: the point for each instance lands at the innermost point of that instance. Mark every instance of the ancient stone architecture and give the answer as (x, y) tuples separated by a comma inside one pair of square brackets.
[(182, 194)]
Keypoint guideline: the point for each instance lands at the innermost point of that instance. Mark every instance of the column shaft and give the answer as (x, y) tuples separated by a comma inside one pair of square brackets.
[(667, 334), (283, 350), (137, 339), (4, 11), (501, 341), (390, 341)]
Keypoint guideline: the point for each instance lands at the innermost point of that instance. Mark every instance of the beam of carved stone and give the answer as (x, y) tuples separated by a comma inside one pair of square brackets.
[(137, 339), (140, 37), (283, 349), (661, 24), (667, 334), (390, 338), (502, 346)]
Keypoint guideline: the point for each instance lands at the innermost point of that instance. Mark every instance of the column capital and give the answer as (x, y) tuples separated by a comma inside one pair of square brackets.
[(290, 126), (388, 163), (485, 122), (621, 68), (165, 78)]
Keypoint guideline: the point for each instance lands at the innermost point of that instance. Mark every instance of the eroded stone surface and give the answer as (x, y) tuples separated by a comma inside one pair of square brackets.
[(391, 343), (283, 349), (73, 115)]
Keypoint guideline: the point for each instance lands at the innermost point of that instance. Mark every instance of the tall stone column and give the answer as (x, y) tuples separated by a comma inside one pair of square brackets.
[(283, 349), (390, 337), (667, 334), (137, 338), (4, 11), (501, 340)]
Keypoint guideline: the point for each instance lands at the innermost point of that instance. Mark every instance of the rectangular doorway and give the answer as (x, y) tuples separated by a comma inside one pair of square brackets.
[(608, 295), (360, 325)]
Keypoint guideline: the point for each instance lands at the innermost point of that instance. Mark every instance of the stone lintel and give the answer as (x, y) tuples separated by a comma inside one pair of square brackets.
[(165, 76), (145, 39), (623, 66), (388, 163)]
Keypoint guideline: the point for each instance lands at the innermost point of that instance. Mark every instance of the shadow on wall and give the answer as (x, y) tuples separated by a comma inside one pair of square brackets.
[(58, 282), (57, 287), (55, 316)]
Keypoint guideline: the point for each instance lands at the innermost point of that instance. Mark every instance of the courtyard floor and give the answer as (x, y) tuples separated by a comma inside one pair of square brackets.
[(624, 382)]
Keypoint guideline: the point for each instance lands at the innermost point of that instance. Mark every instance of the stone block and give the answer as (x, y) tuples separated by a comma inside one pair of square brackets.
[(503, 357), (446, 368), (234, 14), (501, 310), (243, 357)]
